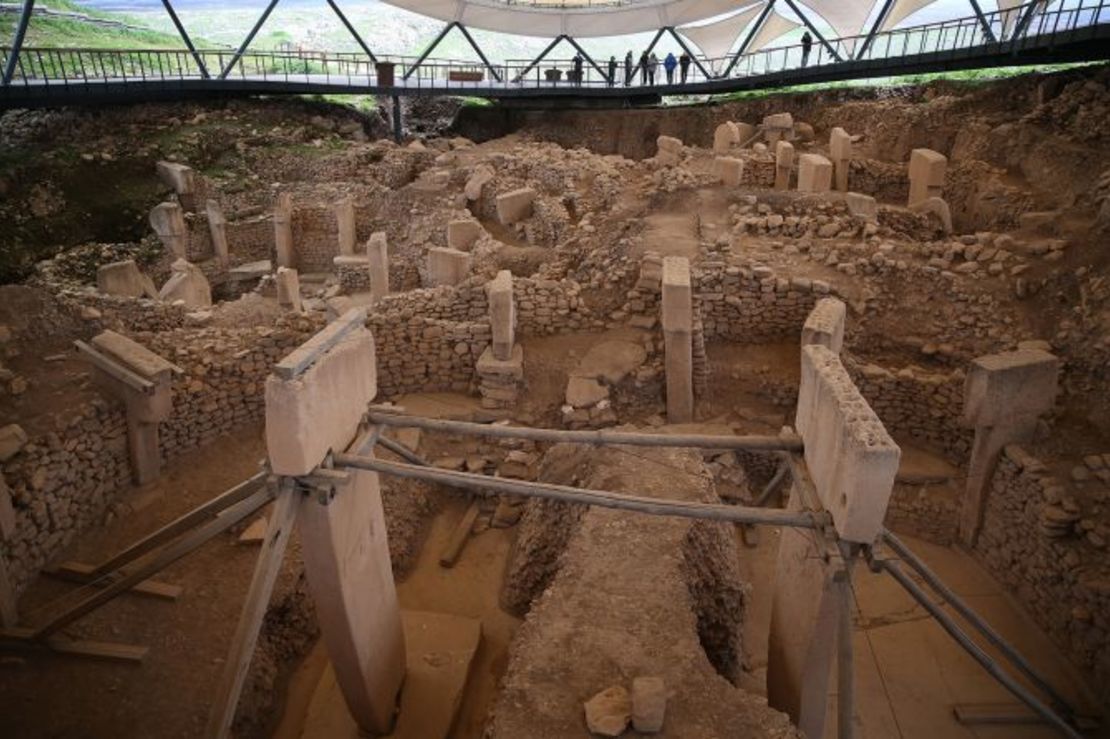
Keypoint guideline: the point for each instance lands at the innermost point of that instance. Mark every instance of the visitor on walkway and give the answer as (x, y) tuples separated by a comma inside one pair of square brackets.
[(684, 65), (643, 68), (578, 69), (807, 46), (669, 64), (628, 69), (653, 65), (612, 71)]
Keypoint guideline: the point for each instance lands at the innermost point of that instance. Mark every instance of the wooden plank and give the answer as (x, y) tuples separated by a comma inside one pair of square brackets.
[(978, 714), (89, 598), (241, 650), (459, 536), (7, 511), (301, 358), (23, 640), (117, 371), (181, 524), (83, 573), (9, 610)]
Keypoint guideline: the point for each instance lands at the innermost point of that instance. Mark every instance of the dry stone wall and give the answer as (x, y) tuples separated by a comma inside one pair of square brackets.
[(1031, 542), (752, 304), (929, 512)]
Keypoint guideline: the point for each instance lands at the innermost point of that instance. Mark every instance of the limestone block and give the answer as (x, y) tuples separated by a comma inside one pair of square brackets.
[(840, 149), (668, 150), (726, 136), (504, 369), (515, 206), (134, 356), (608, 712), (289, 289), (777, 127), (187, 283), (217, 227), (12, 439), (377, 257), (168, 222), (825, 325), (462, 233), (678, 305), (937, 207), (814, 173), (744, 132), (447, 266), (784, 163), (182, 180), (730, 170), (283, 230), (585, 392), (849, 454), (1004, 387), (502, 313), (345, 226), (483, 174), (926, 174), (649, 704), (124, 278), (864, 206), (320, 410)]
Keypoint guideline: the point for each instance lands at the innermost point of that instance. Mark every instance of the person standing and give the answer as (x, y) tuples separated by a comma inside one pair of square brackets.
[(643, 68), (628, 69), (807, 46), (612, 70), (652, 66), (669, 63), (684, 65)]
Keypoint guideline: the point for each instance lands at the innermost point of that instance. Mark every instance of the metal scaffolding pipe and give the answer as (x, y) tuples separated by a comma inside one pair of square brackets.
[(600, 498), (185, 37), (699, 441), (976, 651), (973, 618), (17, 41)]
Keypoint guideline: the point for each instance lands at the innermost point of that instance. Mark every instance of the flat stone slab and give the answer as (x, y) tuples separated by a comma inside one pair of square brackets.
[(251, 270), (134, 355), (612, 360), (440, 649)]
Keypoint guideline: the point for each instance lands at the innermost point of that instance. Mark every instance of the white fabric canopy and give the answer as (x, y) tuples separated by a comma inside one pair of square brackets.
[(716, 39), (903, 9), (775, 26), (846, 17)]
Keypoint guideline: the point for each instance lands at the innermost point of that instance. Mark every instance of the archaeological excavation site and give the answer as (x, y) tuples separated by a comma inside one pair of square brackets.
[(783, 413)]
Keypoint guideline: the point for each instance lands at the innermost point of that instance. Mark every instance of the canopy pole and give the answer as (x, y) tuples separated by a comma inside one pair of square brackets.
[(17, 40)]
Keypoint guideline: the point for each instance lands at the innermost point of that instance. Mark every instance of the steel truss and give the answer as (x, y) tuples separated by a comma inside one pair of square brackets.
[(439, 39)]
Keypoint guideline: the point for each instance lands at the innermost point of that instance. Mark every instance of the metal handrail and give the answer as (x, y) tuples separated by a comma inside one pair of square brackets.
[(64, 66)]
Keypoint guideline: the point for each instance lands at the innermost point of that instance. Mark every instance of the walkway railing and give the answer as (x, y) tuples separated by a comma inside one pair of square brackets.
[(997, 33)]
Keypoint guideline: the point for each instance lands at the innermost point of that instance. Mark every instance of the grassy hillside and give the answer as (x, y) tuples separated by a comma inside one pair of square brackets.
[(53, 31)]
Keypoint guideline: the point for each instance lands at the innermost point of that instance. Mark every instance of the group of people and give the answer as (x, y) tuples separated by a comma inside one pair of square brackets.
[(649, 65)]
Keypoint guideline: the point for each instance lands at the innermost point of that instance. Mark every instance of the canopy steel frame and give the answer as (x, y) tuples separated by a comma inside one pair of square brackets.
[(551, 47), (17, 41), (694, 57), (987, 30), (469, 39), (809, 24), (247, 41), (351, 29), (1026, 18), (879, 21), (760, 20), (168, 5), (651, 47)]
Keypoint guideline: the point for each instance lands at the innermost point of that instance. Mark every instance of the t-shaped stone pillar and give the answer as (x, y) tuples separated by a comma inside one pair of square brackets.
[(784, 162), (1004, 396), (840, 150), (168, 222), (288, 289), (217, 227), (502, 314), (183, 180), (825, 325), (315, 401), (926, 175), (377, 257), (726, 136), (345, 226), (678, 334), (142, 381), (283, 230)]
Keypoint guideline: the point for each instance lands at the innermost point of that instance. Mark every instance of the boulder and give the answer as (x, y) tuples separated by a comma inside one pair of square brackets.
[(124, 278)]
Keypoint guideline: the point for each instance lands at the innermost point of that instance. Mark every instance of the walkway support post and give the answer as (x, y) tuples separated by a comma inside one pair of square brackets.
[(879, 21), (813, 29), (185, 37), (17, 41), (759, 21), (398, 135), (247, 41), (351, 28), (692, 55), (987, 30)]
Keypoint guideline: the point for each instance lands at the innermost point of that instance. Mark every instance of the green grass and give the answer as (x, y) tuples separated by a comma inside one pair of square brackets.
[(46, 31)]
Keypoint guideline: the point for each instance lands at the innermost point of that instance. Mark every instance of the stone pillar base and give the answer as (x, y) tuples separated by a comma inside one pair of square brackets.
[(500, 381)]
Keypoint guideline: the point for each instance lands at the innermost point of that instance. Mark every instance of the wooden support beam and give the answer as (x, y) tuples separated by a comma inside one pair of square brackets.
[(81, 572), (24, 640), (280, 528)]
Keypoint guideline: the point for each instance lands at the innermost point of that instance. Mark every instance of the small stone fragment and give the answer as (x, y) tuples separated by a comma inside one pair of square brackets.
[(608, 712), (649, 704)]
